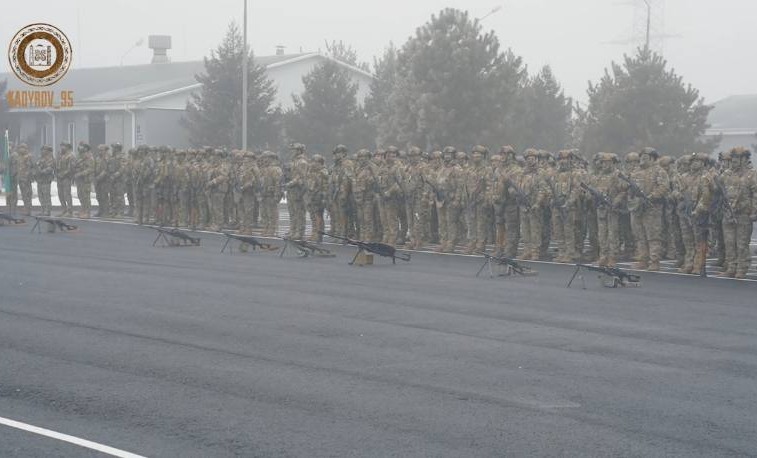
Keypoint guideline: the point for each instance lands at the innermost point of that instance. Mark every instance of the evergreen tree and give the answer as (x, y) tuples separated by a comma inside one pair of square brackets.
[(544, 116), (643, 103), (327, 112), (214, 114), (453, 84), (345, 53), (377, 106)]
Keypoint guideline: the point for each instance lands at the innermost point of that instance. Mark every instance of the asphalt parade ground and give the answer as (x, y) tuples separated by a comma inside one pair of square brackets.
[(191, 352)]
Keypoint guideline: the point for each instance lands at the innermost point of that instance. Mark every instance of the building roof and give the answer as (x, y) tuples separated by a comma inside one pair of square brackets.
[(734, 113), (107, 86)]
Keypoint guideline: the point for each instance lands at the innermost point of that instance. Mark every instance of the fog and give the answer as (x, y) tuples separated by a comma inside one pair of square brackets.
[(709, 43)]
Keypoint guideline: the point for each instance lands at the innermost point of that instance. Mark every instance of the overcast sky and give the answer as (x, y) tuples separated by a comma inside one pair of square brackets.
[(711, 43)]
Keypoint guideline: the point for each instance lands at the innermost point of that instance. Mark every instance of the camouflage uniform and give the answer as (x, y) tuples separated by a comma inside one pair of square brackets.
[(45, 171), (144, 183), (102, 180), (565, 207), (296, 191), (64, 173), (653, 182), (535, 196), (364, 189), (684, 193), (340, 181), (317, 186), (218, 187), (606, 182), (118, 171), (181, 183), (22, 167), (417, 197), (672, 243), (83, 175), (271, 178), (740, 185), (476, 206), (390, 181), (249, 186)]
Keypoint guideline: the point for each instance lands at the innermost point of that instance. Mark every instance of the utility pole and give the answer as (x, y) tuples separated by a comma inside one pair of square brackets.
[(649, 19), (244, 81)]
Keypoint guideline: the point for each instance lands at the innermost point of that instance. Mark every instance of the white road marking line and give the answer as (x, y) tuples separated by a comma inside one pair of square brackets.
[(66, 438)]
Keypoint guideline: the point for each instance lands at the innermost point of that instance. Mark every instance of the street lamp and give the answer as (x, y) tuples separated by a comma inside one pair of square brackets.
[(244, 81), (137, 44)]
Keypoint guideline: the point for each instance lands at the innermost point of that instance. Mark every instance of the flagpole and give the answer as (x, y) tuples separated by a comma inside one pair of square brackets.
[(244, 81)]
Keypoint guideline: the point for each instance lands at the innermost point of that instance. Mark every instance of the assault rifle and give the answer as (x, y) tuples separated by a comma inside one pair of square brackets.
[(521, 198), (611, 277), (305, 249), (175, 237), (245, 241), (381, 249), (635, 189), (439, 195), (512, 266), (54, 223), (600, 198)]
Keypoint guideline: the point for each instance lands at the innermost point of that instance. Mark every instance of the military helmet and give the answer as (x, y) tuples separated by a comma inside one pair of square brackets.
[(651, 151), (103, 147), (363, 153), (544, 154), (740, 151), (449, 149), (496, 158), (116, 147), (414, 151), (565, 154), (612, 157), (704, 157), (393, 149), (666, 161), (506, 150), (66, 146), (480, 149), (317, 158), (47, 149), (461, 156), (340, 149), (632, 157), (297, 147), (436, 155), (84, 147), (685, 159), (530, 152)]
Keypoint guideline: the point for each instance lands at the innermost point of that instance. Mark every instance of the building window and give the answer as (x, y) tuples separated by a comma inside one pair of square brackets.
[(72, 133)]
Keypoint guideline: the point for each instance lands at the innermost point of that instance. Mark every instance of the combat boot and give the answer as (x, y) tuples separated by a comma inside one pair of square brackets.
[(686, 269), (611, 262), (727, 274), (640, 265), (602, 262), (740, 275), (654, 266), (470, 248)]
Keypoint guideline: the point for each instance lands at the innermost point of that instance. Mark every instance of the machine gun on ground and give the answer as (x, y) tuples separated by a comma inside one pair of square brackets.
[(381, 249), (175, 237), (611, 277), (635, 189), (53, 224), (304, 249), (246, 241), (512, 266), (7, 218)]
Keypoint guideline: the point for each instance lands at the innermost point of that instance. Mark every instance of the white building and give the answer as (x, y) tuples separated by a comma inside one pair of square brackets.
[(142, 104)]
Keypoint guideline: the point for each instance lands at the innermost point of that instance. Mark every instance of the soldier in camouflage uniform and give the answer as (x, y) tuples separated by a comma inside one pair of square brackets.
[(417, 197), (535, 196), (83, 176), (607, 183), (144, 175), (476, 206), (271, 179), (317, 186), (740, 191), (249, 184), (128, 175), (64, 173), (390, 181), (340, 181), (365, 186), (683, 194), (218, 186), (162, 186), (653, 182), (118, 167), (22, 166), (295, 190), (698, 197), (181, 184), (566, 194), (45, 170), (440, 170), (672, 243), (101, 181)]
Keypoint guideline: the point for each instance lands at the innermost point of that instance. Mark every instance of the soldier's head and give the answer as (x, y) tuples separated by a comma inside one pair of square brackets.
[(564, 158), (683, 163), (632, 161), (414, 154), (607, 161), (544, 157), (391, 154), (461, 157), (508, 153), (116, 148), (102, 149), (698, 161), (449, 150), (740, 157), (297, 149), (478, 153), (47, 150), (647, 156), (65, 147), (83, 148), (340, 152), (363, 156), (318, 159), (666, 162), (496, 160), (531, 156)]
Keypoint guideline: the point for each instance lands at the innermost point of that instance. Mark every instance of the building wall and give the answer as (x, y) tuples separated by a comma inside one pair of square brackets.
[(161, 127), (728, 142)]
